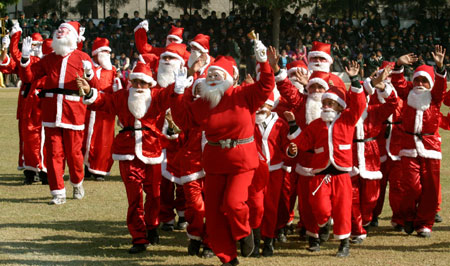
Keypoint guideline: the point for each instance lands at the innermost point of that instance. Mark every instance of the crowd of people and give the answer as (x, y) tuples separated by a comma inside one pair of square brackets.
[(230, 155)]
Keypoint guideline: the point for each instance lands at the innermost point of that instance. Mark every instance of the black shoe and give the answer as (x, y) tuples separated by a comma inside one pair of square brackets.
[(268, 247), (374, 222), (302, 234), (344, 249), (153, 236), (167, 227), (99, 177), (257, 241), (290, 229), (87, 174), (324, 232), (367, 228), (29, 177), (409, 227), (194, 247), (207, 253), (137, 248), (356, 240), (282, 236), (182, 224), (399, 228), (437, 218), (247, 245), (314, 244), (232, 262), (43, 177)]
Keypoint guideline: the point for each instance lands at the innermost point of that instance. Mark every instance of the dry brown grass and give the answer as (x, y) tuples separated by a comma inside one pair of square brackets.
[(93, 231)]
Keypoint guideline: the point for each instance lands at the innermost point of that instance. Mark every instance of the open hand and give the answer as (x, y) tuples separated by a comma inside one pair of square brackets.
[(352, 69), (407, 59), (439, 55)]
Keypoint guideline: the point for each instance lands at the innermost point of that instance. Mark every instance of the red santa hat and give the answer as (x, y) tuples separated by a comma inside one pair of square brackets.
[(320, 49), (201, 42), (100, 45), (75, 28), (177, 50), (225, 64), (36, 38), (143, 72), (336, 94), (319, 77), (176, 33), (425, 71), (293, 66), (47, 46), (386, 63)]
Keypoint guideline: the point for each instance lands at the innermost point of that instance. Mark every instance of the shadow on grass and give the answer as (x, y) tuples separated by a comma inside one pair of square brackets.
[(12, 180)]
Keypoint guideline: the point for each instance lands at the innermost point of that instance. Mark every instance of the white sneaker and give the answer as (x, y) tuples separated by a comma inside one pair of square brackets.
[(58, 200), (78, 192)]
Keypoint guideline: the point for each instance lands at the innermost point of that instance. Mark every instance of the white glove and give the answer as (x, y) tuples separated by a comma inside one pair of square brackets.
[(26, 47), (15, 28), (260, 51), (143, 24), (5, 42), (182, 81), (87, 68)]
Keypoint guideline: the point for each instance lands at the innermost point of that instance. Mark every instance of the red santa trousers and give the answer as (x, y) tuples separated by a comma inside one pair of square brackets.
[(20, 160), (272, 194), (421, 181), (383, 184), (172, 197), (32, 145), (63, 144), (195, 209), (227, 213), (255, 200), (285, 213), (394, 173), (306, 214), (138, 177), (365, 197), (333, 199)]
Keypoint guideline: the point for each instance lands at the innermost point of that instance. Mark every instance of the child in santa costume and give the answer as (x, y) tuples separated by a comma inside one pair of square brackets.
[(331, 139), (140, 36), (137, 147)]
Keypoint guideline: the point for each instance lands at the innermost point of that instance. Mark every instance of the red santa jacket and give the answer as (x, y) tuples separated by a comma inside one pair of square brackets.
[(233, 118), (144, 144), (421, 127), (273, 140), (332, 142), (366, 152)]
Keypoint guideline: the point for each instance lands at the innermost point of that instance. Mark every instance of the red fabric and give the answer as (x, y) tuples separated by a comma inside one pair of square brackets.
[(255, 200), (140, 37), (195, 208), (272, 194), (305, 208), (142, 215), (365, 196), (63, 145), (394, 173), (284, 204), (383, 184), (172, 197)]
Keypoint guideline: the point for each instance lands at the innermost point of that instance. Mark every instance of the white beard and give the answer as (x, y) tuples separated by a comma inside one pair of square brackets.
[(193, 57), (298, 85), (64, 45), (166, 72), (104, 59), (419, 98), (313, 107), (259, 118), (214, 94), (328, 114), (139, 102), (324, 67)]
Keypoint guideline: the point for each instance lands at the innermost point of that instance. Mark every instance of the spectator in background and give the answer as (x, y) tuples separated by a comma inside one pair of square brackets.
[(125, 22), (136, 20)]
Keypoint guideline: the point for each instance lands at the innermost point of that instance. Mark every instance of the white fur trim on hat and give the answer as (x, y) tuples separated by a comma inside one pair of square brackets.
[(426, 75), (176, 37), (70, 27), (177, 56), (335, 97), (281, 76), (101, 49), (320, 81), (294, 69), (320, 54), (222, 69), (198, 46), (143, 77)]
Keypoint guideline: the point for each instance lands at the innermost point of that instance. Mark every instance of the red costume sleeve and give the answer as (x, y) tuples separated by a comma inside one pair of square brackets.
[(257, 93), (143, 47)]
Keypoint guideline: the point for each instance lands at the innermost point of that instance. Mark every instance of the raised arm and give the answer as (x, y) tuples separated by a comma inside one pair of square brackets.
[(440, 84), (140, 37)]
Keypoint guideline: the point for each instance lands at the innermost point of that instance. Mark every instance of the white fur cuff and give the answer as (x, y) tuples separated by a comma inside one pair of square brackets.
[(398, 71), (368, 86), (357, 90), (387, 91), (93, 98), (281, 76)]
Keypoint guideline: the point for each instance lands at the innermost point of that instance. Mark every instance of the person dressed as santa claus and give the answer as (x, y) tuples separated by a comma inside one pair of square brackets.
[(99, 126), (137, 147), (199, 59), (63, 112), (421, 144), (226, 114), (331, 139), (140, 36)]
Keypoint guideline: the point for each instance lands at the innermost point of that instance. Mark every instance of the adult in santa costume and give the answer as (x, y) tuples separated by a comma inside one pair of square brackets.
[(140, 36), (199, 59), (421, 143), (226, 114), (331, 139), (137, 147), (99, 126), (63, 112)]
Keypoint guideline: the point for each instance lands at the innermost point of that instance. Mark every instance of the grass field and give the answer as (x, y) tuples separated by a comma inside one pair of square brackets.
[(93, 231)]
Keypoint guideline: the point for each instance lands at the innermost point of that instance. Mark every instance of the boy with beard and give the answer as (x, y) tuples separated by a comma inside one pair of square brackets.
[(331, 138), (140, 35), (99, 126), (421, 144), (137, 147), (63, 113), (230, 158), (199, 56)]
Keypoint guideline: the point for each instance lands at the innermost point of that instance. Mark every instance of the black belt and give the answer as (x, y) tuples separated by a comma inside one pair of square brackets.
[(365, 140), (26, 90), (392, 123), (331, 170), (389, 127), (231, 143), (133, 129), (58, 91), (419, 135)]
